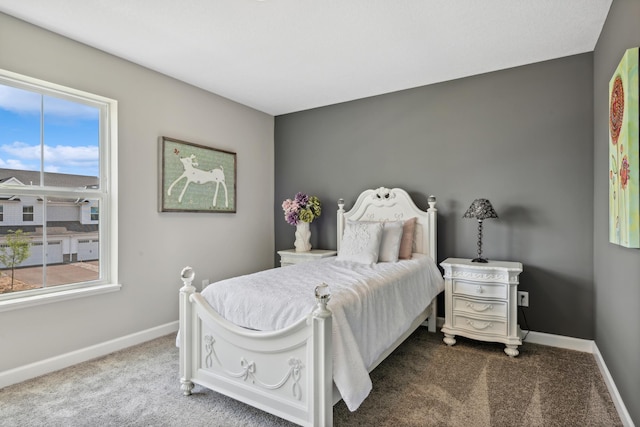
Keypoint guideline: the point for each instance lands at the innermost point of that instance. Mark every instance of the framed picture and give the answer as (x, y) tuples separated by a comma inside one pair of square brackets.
[(624, 153), (195, 178)]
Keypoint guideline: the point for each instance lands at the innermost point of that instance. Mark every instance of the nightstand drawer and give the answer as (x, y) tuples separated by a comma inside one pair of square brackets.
[(478, 289), (475, 306), (480, 326)]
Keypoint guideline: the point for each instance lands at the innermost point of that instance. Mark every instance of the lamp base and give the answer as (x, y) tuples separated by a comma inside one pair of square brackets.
[(483, 260)]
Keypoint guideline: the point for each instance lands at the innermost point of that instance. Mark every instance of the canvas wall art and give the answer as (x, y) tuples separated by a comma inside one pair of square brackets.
[(196, 178), (624, 164)]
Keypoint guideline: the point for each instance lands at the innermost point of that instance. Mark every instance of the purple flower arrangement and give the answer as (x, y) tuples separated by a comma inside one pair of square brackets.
[(302, 208)]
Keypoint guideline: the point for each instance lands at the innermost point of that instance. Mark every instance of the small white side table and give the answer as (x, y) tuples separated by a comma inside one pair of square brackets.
[(480, 302), (290, 256)]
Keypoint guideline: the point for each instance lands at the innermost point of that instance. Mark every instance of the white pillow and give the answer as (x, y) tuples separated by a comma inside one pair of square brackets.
[(390, 241), (361, 242)]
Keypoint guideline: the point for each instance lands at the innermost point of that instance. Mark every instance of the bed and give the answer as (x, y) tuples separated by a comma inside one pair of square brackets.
[(293, 341)]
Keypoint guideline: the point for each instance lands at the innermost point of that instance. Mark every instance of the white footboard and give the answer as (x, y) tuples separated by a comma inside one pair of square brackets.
[(287, 373)]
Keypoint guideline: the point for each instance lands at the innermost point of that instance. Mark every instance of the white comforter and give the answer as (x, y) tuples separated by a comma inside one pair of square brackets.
[(372, 305)]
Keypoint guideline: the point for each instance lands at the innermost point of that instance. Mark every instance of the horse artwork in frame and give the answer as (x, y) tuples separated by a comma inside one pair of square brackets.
[(195, 178)]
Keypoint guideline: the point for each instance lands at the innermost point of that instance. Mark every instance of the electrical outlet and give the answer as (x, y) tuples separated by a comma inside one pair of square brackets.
[(205, 282), (523, 298)]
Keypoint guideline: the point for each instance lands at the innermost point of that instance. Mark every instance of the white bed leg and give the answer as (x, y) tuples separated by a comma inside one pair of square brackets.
[(323, 360), (186, 337), (186, 387)]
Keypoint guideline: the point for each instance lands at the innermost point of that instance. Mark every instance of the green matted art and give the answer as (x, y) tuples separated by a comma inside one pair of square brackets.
[(624, 164), (196, 178)]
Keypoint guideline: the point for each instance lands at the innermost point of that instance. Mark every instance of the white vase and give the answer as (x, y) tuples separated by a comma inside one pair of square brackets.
[(303, 237)]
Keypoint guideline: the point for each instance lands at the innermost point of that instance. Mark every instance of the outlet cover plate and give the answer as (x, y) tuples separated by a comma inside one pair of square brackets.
[(523, 298)]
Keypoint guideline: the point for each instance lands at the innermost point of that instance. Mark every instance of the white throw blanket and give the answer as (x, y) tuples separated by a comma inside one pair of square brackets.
[(372, 305)]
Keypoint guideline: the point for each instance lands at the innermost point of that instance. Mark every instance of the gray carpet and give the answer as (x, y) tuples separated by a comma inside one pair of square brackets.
[(423, 383)]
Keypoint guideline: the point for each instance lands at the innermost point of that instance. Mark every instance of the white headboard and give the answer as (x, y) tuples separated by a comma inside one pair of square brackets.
[(395, 204)]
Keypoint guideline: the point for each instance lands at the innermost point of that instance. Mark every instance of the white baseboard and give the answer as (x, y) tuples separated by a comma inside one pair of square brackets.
[(570, 343), (32, 370), (613, 390)]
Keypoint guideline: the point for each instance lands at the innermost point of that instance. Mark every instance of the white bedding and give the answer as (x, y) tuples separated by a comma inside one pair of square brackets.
[(372, 305)]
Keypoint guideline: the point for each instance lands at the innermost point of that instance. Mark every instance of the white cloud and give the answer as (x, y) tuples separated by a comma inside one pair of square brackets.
[(25, 102), (22, 150), (18, 100), (62, 154), (82, 160), (12, 164)]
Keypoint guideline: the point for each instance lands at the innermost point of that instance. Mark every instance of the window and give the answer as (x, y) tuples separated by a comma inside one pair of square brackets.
[(57, 172), (27, 213)]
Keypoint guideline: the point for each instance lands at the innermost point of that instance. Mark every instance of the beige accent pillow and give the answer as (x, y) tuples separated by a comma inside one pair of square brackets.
[(408, 235)]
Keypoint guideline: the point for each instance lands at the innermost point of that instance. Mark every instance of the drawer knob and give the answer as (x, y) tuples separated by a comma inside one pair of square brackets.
[(480, 289), (479, 326), (480, 308)]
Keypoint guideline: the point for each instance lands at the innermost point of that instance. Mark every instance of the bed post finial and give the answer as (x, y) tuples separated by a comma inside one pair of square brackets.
[(186, 275), (432, 202), (322, 297)]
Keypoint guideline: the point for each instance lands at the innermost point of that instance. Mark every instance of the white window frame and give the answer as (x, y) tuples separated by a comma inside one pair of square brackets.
[(107, 194), (28, 212), (94, 216)]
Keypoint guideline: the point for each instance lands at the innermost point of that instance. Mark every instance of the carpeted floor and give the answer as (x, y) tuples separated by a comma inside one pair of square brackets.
[(423, 383)]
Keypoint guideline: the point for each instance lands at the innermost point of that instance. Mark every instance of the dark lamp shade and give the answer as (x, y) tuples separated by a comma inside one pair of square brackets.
[(480, 209)]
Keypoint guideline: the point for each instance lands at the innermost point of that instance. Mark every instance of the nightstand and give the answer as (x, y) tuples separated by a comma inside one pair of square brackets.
[(480, 302), (290, 256)]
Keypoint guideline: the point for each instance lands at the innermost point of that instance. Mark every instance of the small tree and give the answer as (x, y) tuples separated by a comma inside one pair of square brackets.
[(16, 249)]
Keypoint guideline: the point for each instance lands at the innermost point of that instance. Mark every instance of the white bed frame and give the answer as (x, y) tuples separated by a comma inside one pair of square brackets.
[(288, 372)]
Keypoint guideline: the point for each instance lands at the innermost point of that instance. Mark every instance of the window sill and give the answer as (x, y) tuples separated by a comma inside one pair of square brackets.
[(34, 300)]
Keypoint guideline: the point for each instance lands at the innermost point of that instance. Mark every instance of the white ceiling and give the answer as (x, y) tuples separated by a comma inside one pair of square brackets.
[(282, 56)]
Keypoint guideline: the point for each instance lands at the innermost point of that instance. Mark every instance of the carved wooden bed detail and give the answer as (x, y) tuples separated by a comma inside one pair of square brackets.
[(289, 372)]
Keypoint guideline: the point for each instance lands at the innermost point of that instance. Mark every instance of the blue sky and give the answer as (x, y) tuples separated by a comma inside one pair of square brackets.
[(71, 133)]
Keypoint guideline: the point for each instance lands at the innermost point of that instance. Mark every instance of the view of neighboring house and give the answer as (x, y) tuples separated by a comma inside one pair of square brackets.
[(71, 232)]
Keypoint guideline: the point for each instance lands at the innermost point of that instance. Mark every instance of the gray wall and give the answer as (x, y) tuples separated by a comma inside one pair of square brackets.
[(616, 269), (520, 137), (153, 247)]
